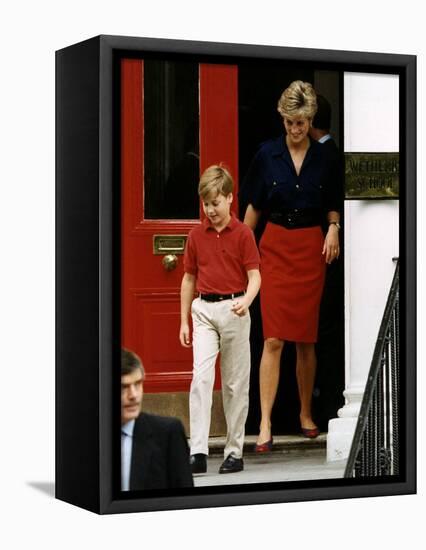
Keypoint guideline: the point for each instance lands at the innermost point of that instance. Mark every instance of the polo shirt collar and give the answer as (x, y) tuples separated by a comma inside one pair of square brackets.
[(231, 225)]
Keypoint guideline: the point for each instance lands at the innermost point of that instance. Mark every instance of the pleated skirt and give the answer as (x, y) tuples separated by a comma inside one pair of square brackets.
[(293, 273)]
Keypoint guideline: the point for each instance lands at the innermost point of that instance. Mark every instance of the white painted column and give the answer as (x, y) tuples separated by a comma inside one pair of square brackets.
[(371, 122)]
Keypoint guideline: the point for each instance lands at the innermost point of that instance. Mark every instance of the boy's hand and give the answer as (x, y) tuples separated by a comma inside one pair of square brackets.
[(184, 335), (240, 306)]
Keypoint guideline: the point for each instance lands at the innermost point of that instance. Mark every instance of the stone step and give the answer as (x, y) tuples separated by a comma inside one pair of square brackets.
[(282, 444)]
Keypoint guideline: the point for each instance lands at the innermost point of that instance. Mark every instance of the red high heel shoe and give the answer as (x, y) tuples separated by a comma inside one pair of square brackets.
[(264, 447), (310, 433)]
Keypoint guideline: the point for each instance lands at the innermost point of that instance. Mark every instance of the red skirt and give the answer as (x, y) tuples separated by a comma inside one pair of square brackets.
[(293, 273)]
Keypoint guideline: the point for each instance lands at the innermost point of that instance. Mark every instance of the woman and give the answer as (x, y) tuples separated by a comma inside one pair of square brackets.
[(290, 182)]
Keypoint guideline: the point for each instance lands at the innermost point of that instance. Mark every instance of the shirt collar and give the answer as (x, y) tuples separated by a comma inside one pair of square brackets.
[(279, 145), (207, 223), (279, 148), (324, 138), (128, 427)]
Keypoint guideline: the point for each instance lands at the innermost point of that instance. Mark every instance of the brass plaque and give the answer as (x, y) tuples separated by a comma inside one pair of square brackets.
[(169, 244), (371, 175)]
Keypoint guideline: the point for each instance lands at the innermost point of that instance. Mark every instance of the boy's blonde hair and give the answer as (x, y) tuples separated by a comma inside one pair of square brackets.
[(215, 180), (298, 100)]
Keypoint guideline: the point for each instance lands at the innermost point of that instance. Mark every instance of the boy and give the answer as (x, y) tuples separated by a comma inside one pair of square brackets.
[(222, 262)]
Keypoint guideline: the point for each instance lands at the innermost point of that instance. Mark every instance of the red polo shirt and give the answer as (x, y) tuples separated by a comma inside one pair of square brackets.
[(220, 261)]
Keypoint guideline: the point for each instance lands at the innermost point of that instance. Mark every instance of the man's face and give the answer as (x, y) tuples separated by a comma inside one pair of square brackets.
[(131, 395)]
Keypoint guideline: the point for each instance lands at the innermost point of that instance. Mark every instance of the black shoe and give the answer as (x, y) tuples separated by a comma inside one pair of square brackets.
[(198, 463), (231, 465)]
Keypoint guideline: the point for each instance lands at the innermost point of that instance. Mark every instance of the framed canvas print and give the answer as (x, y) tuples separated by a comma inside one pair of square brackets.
[(189, 176)]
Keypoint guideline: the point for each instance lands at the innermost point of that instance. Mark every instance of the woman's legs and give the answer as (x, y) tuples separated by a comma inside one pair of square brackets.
[(269, 375), (305, 373)]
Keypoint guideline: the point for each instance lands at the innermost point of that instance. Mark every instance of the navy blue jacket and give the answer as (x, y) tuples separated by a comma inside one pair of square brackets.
[(272, 185)]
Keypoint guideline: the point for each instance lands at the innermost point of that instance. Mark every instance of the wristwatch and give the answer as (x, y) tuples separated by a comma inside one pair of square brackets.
[(337, 224)]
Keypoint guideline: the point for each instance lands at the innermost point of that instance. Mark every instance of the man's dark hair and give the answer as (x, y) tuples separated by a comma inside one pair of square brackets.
[(322, 118), (130, 362)]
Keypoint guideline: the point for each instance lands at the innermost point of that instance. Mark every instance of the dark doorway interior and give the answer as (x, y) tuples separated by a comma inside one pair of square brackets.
[(260, 86)]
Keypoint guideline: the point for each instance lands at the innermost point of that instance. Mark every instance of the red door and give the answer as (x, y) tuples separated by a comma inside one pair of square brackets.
[(150, 229)]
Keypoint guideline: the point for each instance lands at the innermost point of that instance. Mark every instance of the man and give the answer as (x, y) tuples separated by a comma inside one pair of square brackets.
[(154, 450), (320, 129), (331, 323), (320, 132)]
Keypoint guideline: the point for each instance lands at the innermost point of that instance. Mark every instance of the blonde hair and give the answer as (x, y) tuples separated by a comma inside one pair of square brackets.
[(215, 179), (298, 100)]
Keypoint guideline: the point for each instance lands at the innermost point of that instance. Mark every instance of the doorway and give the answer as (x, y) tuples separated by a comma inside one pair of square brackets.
[(260, 85), (207, 113)]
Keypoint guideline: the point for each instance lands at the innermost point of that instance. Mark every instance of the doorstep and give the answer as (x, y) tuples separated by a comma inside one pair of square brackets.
[(282, 444)]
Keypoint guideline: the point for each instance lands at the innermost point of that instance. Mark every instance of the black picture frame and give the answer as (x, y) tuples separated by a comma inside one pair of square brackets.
[(87, 271)]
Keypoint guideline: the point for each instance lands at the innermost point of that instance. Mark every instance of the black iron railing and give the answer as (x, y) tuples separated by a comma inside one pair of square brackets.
[(375, 446)]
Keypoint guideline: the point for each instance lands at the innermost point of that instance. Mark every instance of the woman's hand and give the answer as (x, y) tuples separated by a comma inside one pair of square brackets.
[(251, 217), (331, 247)]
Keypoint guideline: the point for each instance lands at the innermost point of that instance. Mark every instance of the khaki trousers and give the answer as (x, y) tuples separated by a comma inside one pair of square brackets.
[(217, 329)]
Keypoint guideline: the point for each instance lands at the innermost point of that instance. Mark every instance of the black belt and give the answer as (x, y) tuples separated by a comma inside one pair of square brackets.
[(220, 297), (296, 218)]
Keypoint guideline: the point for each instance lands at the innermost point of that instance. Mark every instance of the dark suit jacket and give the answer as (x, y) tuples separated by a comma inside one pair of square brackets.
[(160, 454), (336, 163)]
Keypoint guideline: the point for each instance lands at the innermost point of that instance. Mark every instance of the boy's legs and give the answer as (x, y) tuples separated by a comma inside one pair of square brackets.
[(235, 370), (205, 349)]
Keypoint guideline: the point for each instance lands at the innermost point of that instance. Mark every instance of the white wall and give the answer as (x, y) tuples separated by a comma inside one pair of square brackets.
[(371, 124), (371, 243), (371, 115)]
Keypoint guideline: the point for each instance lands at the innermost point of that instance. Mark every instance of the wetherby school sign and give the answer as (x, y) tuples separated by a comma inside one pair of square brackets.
[(371, 175)]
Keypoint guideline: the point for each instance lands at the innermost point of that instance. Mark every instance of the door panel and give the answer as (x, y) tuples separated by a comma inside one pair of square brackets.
[(219, 118), (150, 293)]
